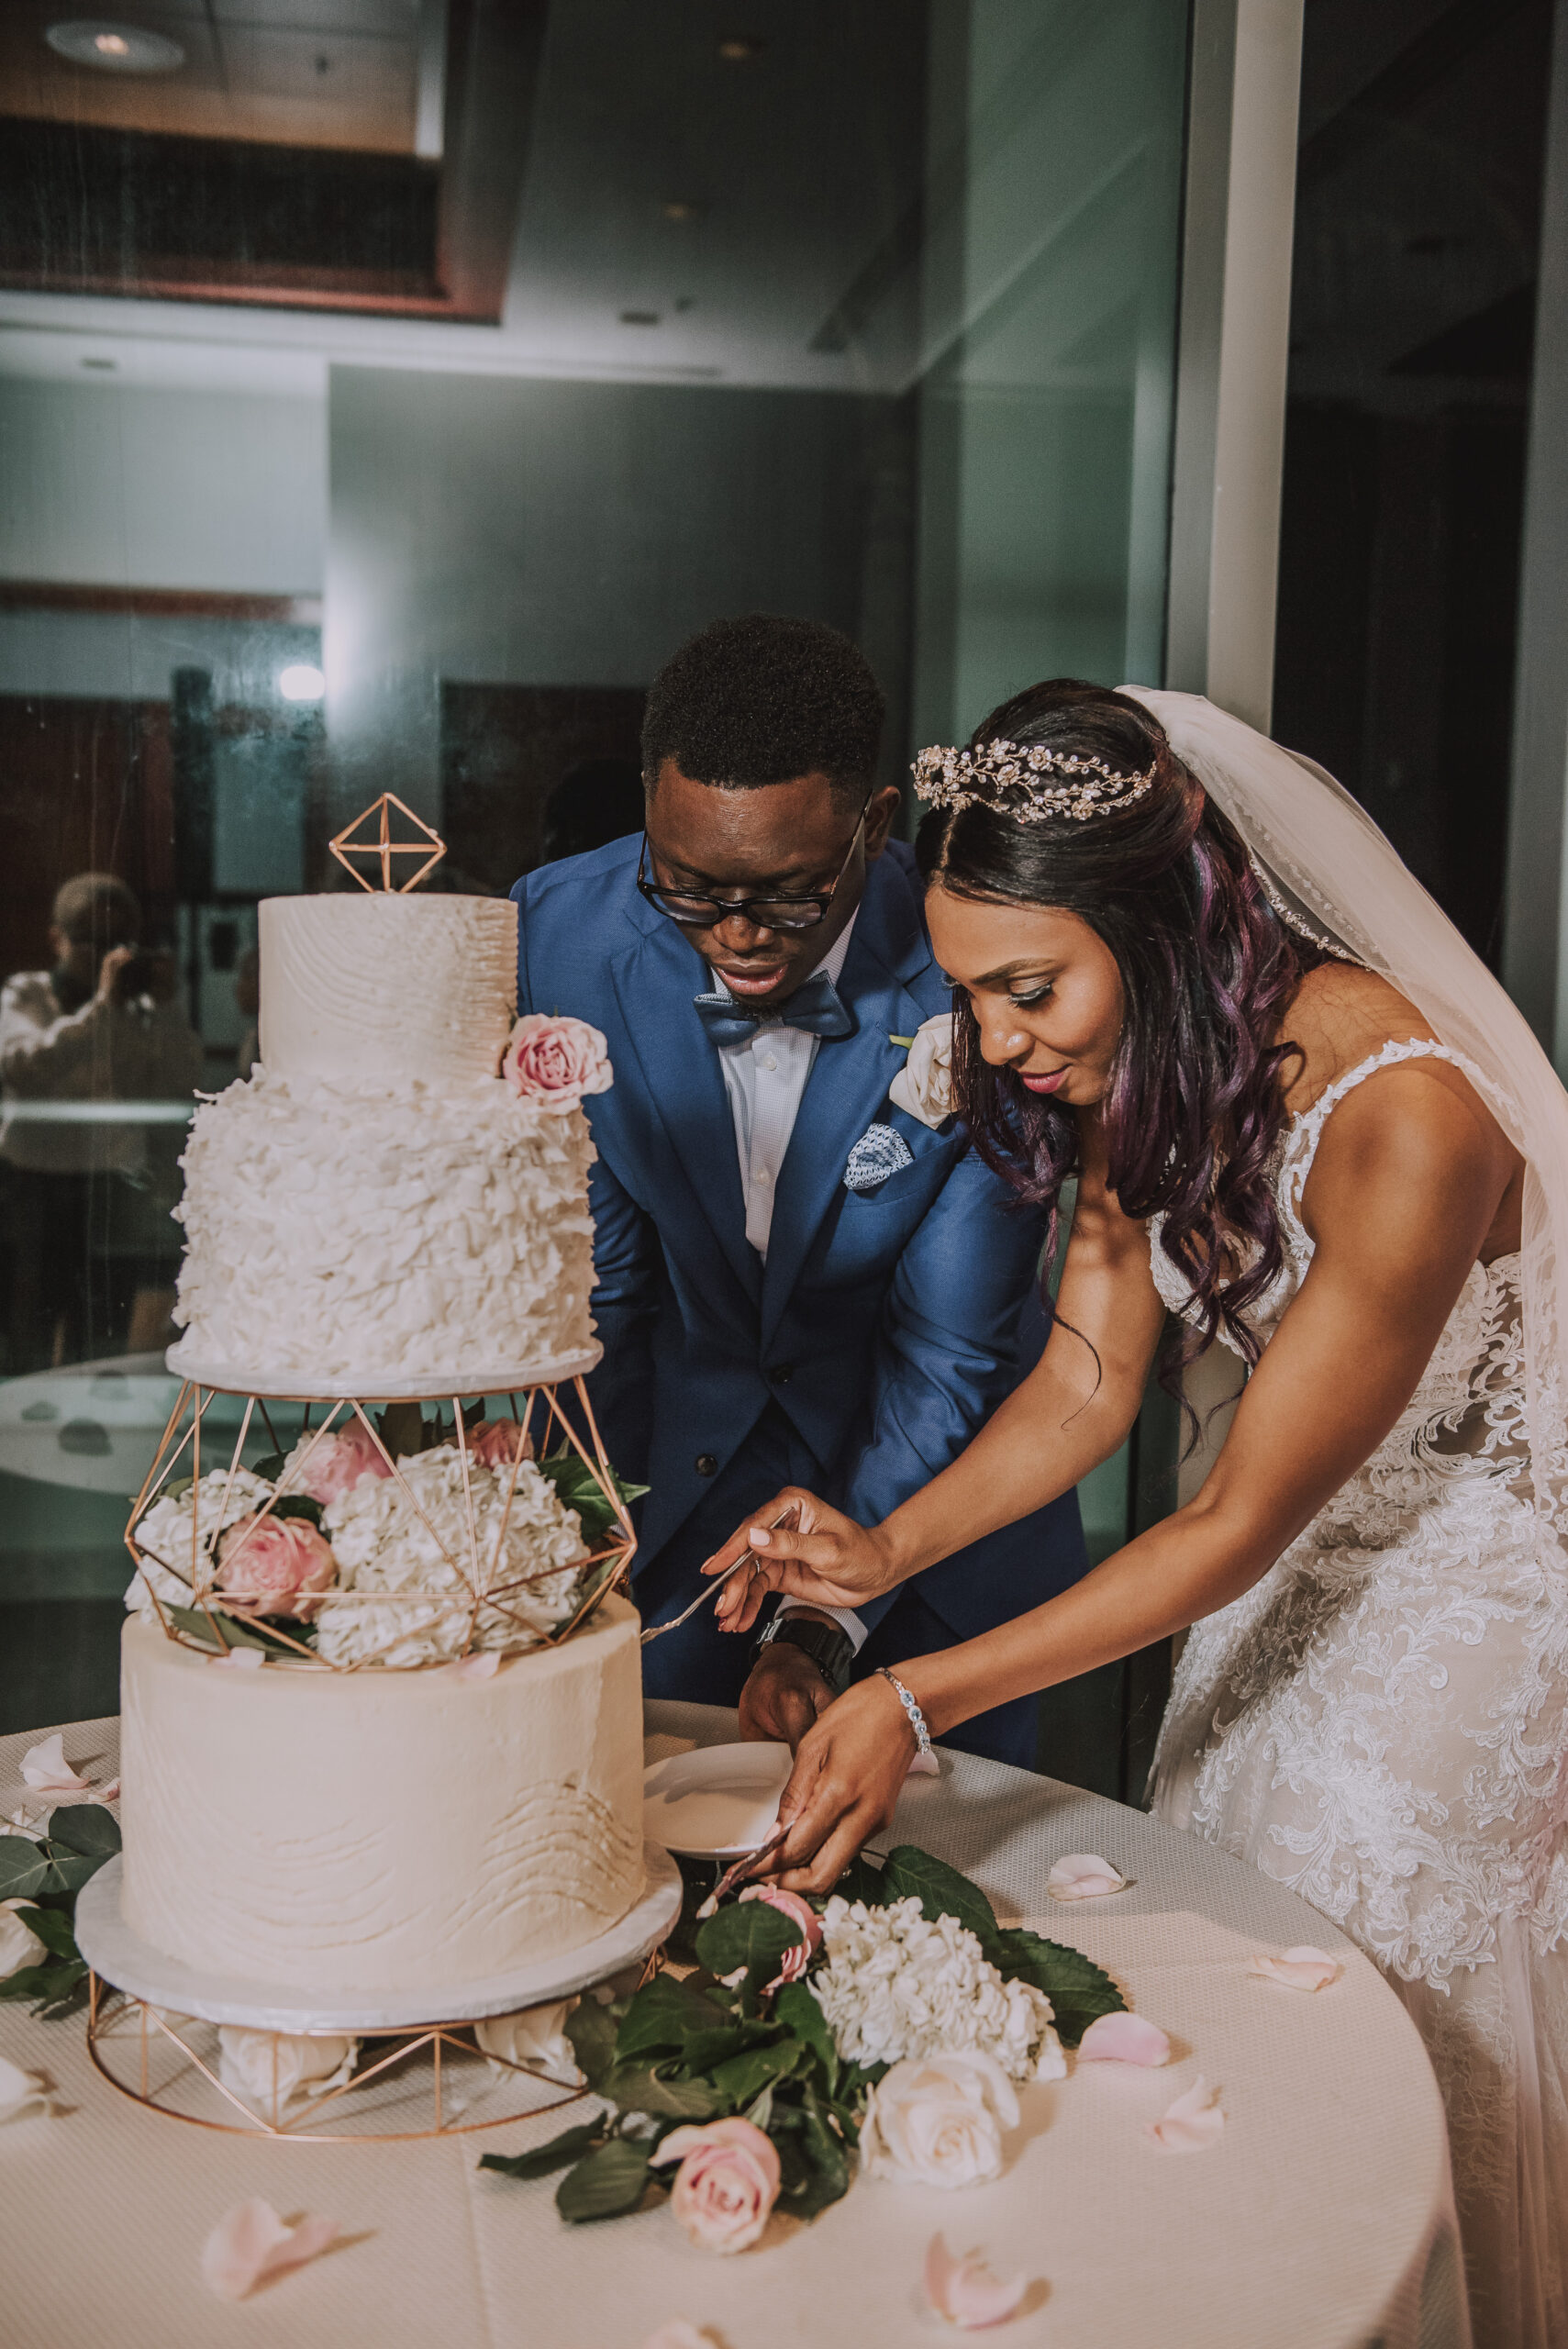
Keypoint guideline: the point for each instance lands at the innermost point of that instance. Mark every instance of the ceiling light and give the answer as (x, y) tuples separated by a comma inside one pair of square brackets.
[(739, 49), (114, 49), (301, 682), (679, 207)]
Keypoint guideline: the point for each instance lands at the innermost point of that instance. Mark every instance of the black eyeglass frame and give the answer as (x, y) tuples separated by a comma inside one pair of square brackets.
[(812, 904)]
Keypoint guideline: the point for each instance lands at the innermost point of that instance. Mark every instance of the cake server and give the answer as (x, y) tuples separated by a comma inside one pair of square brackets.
[(747, 1558)]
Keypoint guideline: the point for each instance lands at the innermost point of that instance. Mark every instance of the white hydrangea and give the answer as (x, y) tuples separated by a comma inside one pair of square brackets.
[(899, 1984), (414, 1546), (163, 1536)]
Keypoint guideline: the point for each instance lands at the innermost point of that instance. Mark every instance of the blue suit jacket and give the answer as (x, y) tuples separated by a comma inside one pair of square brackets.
[(884, 1324)]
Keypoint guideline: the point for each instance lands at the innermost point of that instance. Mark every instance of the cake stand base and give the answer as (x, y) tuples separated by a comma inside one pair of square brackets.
[(153, 2023), (118, 1955)]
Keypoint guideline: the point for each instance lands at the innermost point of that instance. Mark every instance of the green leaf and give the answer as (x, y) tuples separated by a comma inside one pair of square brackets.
[(1078, 1988), (664, 2014), (749, 1933), (861, 1881), (567, 2147), (804, 2019), (54, 1930), (577, 1487), (612, 2179), (747, 2074), (178, 1489), (84, 1827), (68, 1871), (24, 1869), (813, 2158), (298, 1505), (638, 2088), (55, 1989), (226, 1630), (704, 2049), (270, 1467), (941, 1890), (592, 2030)]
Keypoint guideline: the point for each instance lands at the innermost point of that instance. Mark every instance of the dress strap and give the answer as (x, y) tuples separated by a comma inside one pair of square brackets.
[(1308, 1128)]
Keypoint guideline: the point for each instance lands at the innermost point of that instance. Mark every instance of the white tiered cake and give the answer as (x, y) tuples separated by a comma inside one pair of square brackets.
[(376, 1212)]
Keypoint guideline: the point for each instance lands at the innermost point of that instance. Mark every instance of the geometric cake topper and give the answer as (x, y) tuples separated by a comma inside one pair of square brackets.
[(384, 847)]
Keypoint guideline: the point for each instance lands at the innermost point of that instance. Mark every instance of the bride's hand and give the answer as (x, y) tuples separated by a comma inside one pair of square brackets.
[(818, 1555), (849, 1772)]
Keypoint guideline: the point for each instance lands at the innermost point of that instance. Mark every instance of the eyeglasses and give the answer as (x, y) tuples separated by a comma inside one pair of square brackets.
[(696, 911)]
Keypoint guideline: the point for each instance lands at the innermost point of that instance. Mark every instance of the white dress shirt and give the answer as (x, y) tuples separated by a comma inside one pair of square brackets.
[(765, 1080)]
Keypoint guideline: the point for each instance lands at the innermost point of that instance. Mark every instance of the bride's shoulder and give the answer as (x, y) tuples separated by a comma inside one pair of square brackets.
[(1340, 1017)]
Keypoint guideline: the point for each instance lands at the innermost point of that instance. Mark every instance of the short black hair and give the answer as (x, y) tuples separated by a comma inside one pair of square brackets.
[(762, 700)]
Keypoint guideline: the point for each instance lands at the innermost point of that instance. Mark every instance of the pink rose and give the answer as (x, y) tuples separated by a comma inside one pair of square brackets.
[(726, 2184), (552, 1064), (793, 1963), (275, 1565), (336, 1463), (495, 1443)]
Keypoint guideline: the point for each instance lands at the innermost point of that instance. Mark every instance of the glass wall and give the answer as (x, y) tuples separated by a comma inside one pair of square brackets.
[(379, 411)]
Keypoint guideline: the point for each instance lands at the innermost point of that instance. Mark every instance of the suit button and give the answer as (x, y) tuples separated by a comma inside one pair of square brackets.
[(707, 1465), (783, 1373)]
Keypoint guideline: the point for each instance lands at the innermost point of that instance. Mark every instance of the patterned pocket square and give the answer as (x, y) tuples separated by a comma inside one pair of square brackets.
[(879, 1152)]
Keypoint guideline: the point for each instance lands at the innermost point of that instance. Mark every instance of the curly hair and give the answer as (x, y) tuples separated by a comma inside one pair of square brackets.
[(762, 700), (1194, 1106)]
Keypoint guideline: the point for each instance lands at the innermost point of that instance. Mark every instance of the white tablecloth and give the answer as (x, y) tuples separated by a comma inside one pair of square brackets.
[(1322, 2219)]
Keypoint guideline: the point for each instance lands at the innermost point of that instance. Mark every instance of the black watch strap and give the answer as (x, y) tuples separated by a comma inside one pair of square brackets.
[(831, 1650)]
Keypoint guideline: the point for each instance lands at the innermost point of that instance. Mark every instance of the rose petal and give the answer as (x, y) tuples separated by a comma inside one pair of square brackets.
[(1124, 2039), (1190, 2125), (20, 2091), (483, 1665), (1083, 1876), (251, 2243), (966, 2292), (44, 1766), (240, 1659), (1302, 1968)]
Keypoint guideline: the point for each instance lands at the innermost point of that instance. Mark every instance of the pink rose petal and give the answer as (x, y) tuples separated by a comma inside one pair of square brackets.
[(250, 2244), (483, 1666), (1302, 1968), (1190, 2125), (1083, 1876), (45, 1768), (1123, 2038), (966, 2292)]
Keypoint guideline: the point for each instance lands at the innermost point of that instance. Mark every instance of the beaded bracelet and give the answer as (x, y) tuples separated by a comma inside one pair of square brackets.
[(916, 1717)]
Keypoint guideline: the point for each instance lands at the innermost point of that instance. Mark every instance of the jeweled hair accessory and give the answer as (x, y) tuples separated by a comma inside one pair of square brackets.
[(1011, 778)]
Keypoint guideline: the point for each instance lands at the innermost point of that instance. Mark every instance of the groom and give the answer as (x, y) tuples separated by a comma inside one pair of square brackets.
[(799, 1282)]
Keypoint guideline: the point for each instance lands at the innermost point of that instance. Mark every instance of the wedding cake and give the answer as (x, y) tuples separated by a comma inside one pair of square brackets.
[(381, 1725), (376, 1205)]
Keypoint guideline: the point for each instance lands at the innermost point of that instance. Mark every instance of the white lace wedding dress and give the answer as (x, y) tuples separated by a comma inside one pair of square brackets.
[(1382, 1724)]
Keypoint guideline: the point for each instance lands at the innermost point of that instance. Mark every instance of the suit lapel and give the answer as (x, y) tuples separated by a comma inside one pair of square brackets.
[(655, 984), (849, 1077)]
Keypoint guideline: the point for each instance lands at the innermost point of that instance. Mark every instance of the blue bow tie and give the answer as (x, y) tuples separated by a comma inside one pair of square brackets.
[(816, 1006)]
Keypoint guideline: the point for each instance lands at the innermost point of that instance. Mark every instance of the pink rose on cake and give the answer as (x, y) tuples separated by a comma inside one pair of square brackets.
[(333, 1464), (552, 1063), (277, 1564)]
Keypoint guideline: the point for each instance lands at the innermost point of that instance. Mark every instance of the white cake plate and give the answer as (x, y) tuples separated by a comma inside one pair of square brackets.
[(502, 1378), (121, 1957)]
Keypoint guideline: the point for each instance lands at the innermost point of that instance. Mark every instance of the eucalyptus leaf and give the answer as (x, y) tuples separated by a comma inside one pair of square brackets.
[(54, 1930), (68, 1871), (568, 2147), (24, 1869), (663, 2015), (1078, 1990), (84, 1827), (941, 1890), (608, 2181)]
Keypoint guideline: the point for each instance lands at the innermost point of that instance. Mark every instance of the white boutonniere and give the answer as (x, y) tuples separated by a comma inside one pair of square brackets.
[(924, 1084)]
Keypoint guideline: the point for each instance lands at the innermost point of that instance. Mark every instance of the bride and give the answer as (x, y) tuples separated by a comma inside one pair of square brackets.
[(1190, 972)]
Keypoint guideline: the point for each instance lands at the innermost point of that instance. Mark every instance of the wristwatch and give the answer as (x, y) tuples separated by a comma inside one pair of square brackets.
[(831, 1650)]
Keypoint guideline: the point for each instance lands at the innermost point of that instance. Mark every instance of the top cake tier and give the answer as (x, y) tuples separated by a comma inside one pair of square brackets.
[(379, 990)]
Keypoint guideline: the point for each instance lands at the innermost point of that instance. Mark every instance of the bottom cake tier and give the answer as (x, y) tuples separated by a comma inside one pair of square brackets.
[(380, 1829)]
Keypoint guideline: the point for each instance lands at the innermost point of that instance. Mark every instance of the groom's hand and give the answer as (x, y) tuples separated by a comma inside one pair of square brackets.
[(784, 1694)]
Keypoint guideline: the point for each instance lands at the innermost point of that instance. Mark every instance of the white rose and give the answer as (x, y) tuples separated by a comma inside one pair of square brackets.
[(923, 1085), (20, 1945), (252, 2062), (937, 2121), (535, 2038)]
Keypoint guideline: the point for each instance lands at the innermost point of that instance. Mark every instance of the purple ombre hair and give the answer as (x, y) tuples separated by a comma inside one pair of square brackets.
[(1194, 1107)]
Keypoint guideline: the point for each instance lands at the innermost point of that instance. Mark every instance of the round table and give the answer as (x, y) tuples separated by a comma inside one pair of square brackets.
[(1323, 2219)]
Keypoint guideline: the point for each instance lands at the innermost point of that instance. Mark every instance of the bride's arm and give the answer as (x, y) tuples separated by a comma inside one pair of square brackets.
[(1072, 1411), (1406, 1183)]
